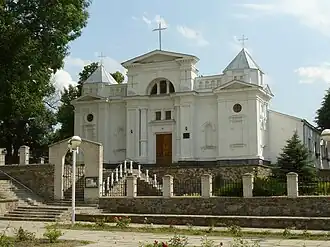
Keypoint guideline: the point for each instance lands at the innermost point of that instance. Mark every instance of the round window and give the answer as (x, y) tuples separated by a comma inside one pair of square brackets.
[(90, 117), (237, 108)]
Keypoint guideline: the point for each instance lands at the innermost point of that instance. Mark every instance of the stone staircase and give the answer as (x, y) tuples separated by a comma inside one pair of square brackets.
[(30, 206), (146, 186)]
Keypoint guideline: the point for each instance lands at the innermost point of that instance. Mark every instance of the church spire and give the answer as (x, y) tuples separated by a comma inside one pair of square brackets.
[(100, 75), (243, 60)]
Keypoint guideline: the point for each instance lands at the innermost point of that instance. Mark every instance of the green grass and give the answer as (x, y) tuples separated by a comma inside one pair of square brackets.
[(45, 243), (232, 231)]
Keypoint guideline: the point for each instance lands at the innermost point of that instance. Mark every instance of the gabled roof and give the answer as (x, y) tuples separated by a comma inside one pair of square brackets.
[(243, 60), (156, 54), (88, 97), (100, 75), (234, 85)]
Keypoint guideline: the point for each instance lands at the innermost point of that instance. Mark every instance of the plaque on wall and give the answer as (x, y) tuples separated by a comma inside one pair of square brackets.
[(91, 182), (186, 135)]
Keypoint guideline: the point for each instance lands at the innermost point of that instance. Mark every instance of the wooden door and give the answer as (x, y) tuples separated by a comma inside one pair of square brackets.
[(164, 149)]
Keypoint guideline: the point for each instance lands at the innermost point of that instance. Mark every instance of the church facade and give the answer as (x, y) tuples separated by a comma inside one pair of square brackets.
[(167, 113)]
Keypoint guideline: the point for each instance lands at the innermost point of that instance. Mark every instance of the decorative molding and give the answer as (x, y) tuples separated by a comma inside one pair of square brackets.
[(237, 145)]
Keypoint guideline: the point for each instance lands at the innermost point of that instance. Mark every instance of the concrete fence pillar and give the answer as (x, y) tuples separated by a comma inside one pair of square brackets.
[(167, 186), (248, 185), (131, 186), (206, 183), (292, 184), (3, 153), (24, 155)]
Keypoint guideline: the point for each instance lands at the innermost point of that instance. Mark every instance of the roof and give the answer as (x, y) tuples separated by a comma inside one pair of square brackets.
[(100, 75), (174, 55), (243, 60)]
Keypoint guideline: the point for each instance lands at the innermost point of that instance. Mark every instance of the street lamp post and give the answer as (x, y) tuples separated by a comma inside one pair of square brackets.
[(73, 145), (325, 136)]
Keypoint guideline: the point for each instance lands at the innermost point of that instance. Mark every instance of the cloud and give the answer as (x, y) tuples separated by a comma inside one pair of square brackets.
[(314, 14), (153, 22), (193, 35), (62, 79), (312, 74)]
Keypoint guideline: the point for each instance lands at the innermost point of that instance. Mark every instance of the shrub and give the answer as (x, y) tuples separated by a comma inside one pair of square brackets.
[(234, 189), (24, 235), (100, 222), (205, 242), (269, 187), (52, 234), (178, 241), (122, 222), (5, 241)]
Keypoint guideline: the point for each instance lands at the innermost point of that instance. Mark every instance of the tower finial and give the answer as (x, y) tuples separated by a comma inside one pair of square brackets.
[(101, 56), (160, 29), (242, 40)]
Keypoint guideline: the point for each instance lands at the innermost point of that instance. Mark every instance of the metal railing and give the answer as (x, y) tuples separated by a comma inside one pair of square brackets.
[(125, 168)]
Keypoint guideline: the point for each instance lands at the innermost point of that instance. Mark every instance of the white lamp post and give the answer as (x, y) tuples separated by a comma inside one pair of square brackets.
[(73, 145)]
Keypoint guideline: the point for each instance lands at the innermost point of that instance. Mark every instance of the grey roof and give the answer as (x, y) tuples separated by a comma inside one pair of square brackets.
[(243, 60), (100, 75)]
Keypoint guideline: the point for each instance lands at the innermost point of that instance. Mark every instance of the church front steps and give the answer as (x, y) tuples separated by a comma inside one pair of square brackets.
[(281, 222)]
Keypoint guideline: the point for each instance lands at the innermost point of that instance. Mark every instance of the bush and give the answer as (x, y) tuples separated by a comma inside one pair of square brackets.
[(269, 187), (52, 234), (6, 241), (122, 222), (25, 235)]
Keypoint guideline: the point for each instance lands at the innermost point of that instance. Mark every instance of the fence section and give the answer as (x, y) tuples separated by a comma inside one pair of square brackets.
[(189, 187), (319, 186)]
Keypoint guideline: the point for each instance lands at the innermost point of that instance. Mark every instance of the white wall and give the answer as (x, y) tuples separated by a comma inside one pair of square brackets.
[(281, 128)]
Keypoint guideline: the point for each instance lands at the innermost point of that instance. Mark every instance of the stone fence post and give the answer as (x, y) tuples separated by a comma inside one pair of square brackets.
[(248, 185), (206, 183), (24, 153), (131, 186), (167, 186), (3, 153), (292, 184)]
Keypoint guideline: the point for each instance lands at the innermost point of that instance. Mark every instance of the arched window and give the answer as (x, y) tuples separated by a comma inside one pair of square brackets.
[(161, 86)]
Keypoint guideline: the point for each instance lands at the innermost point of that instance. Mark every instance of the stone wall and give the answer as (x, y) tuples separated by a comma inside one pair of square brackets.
[(39, 178), (229, 172), (256, 206), (7, 205)]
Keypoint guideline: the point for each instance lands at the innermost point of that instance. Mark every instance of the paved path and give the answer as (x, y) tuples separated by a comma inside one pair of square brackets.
[(131, 239)]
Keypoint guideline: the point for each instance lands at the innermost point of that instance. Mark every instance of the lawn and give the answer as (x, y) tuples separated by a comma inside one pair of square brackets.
[(232, 231), (45, 243)]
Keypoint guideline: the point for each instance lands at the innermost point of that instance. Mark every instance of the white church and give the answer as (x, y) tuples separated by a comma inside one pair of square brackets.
[(167, 113)]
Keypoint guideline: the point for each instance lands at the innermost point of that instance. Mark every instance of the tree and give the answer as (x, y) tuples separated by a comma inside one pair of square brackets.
[(322, 118), (34, 41), (119, 77), (84, 74), (294, 158)]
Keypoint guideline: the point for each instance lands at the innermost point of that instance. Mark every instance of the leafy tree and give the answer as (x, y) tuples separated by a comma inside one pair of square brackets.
[(322, 118), (34, 41), (295, 158), (119, 77)]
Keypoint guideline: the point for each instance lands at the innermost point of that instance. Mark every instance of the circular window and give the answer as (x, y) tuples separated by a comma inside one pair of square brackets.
[(90, 117), (237, 108)]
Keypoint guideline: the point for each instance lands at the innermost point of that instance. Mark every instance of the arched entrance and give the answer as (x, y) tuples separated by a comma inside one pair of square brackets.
[(88, 174)]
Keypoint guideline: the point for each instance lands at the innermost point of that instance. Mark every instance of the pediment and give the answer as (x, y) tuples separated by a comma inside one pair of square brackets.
[(158, 56), (87, 98), (268, 90), (235, 85)]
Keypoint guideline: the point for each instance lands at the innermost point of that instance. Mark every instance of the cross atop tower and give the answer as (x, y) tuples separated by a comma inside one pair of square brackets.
[(160, 29), (242, 40), (101, 56)]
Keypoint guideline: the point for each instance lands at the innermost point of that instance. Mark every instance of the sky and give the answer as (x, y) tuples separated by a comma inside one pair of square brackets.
[(289, 39)]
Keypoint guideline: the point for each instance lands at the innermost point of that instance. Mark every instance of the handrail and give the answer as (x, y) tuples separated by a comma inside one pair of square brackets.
[(6, 174)]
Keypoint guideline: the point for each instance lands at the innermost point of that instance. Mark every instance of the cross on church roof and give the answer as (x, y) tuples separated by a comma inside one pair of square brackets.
[(243, 39), (160, 29), (101, 56)]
